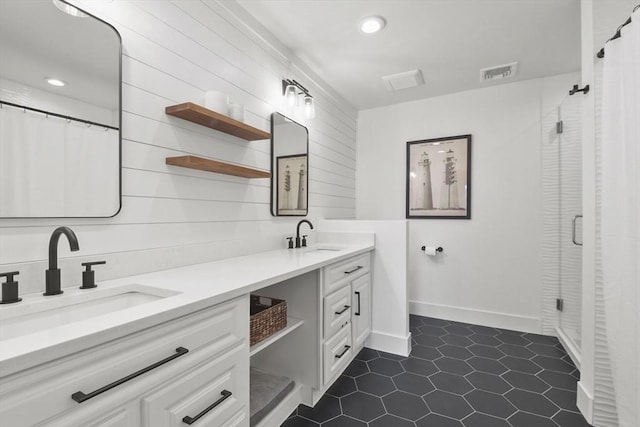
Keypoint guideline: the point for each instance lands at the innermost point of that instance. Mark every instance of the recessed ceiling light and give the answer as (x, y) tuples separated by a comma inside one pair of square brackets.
[(54, 82), (372, 24)]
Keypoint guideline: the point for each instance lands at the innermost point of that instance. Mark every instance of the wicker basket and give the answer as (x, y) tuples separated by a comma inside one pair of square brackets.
[(268, 316)]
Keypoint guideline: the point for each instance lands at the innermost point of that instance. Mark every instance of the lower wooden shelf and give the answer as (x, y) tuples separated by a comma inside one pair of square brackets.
[(194, 162), (292, 324)]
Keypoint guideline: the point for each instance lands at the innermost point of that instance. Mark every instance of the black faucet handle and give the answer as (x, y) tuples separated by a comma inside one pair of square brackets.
[(91, 263), (88, 275), (290, 239), (304, 240), (10, 288), (9, 275)]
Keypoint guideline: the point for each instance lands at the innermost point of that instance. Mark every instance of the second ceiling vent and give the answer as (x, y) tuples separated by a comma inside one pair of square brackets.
[(498, 72)]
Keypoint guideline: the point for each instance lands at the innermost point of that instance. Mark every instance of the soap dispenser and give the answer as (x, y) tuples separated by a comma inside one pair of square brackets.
[(10, 288)]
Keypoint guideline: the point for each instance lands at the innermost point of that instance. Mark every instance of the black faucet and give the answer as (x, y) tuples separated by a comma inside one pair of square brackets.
[(52, 275), (298, 233)]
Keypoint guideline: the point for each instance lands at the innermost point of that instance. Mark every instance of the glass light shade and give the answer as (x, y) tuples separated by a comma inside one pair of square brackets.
[(309, 107), (68, 9), (291, 95)]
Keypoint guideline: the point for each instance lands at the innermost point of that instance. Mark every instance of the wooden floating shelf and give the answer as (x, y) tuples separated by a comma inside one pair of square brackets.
[(292, 324), (203, 116), (193, 162)]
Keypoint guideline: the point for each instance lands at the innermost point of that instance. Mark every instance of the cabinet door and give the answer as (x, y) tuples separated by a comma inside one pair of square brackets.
[(210, 395), (361, 309)]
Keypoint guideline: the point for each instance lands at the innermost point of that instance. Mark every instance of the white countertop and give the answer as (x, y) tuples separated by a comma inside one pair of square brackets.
[(199, 286)]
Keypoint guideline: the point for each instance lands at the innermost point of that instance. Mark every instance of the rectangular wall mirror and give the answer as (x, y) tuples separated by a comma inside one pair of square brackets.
[(60, 115), (289, 167)]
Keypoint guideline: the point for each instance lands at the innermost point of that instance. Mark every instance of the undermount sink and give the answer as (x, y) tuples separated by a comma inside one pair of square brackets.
[(321, 249), (29, 317)]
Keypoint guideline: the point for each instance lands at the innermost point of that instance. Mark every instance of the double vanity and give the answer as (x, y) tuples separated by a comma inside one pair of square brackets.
[(168, 348), (171, 348)]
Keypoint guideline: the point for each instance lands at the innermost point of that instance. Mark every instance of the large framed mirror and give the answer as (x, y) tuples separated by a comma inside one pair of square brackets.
[(60, 115), (289, 167)]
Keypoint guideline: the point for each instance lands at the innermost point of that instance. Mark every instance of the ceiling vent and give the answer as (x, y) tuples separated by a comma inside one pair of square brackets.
[(405, 80), (498, 72)]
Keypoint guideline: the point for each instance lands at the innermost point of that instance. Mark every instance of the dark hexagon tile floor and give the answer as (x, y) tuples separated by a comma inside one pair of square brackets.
[(458, 375)]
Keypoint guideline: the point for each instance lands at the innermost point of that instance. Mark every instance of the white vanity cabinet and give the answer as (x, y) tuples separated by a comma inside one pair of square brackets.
[(151, 378), (346, 291)]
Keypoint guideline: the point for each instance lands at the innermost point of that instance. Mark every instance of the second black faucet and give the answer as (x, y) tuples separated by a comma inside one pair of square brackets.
[(302, 243)]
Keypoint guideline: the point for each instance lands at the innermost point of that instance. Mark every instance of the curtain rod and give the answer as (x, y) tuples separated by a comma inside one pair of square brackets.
[(618, 33), (62, 116)]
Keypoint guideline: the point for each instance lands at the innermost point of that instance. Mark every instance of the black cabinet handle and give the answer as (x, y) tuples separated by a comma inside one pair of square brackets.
[(80, 397), (190, 420), (346, 307), (354, 270), (346, 348), (357, 313)]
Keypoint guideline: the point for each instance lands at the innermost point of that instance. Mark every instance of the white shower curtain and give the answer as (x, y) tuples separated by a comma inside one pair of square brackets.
[(620, 216)]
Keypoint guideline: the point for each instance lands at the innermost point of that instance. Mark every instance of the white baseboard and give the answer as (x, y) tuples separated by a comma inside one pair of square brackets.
[(570, 347), (585, 403), (477, 317), (389, 343)]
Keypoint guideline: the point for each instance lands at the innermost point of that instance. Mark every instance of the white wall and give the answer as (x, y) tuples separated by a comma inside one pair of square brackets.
[(490, 271), (172, 53)]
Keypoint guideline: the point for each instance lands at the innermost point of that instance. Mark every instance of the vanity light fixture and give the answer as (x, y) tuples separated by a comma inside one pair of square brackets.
[(291, 90), (68, 9), (372, 24), (54, 82)]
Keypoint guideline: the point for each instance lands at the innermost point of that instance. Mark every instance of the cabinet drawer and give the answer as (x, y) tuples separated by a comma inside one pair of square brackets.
[(337, 311), (50, 387), (337, 353), (207, 396), (336, 275)]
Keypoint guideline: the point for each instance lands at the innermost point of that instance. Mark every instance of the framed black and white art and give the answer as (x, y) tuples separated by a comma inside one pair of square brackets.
[(439, 178)]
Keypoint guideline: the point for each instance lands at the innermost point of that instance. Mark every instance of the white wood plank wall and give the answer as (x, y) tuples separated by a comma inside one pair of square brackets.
[(173, 51)]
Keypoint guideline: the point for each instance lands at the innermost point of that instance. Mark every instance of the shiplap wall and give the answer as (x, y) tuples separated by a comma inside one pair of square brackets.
[(172, 52)]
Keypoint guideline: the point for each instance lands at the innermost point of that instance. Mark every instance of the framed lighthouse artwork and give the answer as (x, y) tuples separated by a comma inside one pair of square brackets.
[(439, 178)]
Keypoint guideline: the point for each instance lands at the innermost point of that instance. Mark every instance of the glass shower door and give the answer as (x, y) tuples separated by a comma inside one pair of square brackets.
[(570, 214), (561, 153)]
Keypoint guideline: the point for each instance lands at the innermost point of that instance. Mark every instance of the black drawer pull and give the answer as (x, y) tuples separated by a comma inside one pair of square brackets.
[(346, 307), (80, 397), (357, 313), (346, 348), (354, 270), (189, 420)]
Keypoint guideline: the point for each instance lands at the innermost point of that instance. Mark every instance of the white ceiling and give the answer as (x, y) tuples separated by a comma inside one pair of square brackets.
[(449, 40)]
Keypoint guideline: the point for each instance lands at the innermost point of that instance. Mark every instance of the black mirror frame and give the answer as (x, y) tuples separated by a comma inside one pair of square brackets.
[(274, 173), (117, 33)]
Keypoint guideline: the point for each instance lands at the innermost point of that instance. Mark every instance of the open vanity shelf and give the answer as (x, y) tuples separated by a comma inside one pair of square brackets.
[(203, 116), (292, 325), (200, 163)]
